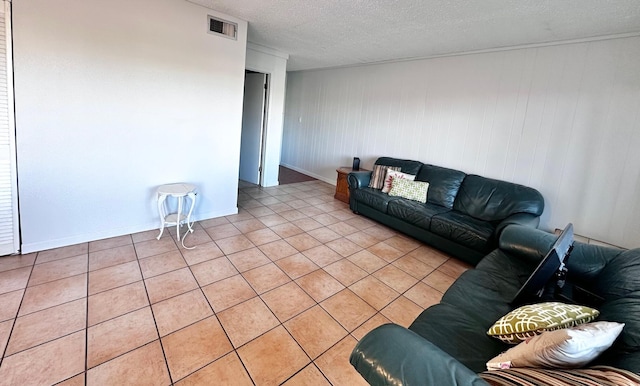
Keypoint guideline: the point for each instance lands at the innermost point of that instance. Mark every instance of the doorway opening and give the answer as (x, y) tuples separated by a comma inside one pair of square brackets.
[(254, 120)]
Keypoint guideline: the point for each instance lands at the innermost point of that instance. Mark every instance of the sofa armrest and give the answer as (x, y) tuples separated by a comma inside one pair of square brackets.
[(586, 261), (525, 242), (525, 219), (357, 180), (393, 355)]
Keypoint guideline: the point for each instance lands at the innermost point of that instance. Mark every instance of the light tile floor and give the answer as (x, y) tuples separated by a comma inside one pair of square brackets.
[(277, 294)]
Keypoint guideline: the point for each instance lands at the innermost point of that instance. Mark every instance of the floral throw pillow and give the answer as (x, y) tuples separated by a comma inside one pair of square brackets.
[(393, 175)]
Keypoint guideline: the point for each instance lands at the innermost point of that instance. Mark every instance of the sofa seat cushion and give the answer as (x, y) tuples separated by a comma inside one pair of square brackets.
[(509, 272), (414, 212), (482, 295), (451, 328), (463, 229), (373, 198)]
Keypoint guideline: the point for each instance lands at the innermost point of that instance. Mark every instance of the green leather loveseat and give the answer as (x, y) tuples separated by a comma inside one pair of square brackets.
[(463, 216), (447, 344)]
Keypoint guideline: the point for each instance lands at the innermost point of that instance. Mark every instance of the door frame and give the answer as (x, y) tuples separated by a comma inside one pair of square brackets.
[(263, 129)]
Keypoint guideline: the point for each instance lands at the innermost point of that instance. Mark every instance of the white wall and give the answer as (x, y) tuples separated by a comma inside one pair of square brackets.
[(563, 119), (274, 63), (113, 99)]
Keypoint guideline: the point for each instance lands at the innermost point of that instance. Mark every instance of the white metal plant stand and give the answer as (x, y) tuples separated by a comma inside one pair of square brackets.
[(179, 191)]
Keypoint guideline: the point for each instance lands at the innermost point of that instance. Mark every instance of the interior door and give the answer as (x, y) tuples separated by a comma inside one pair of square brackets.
[(252, 123)]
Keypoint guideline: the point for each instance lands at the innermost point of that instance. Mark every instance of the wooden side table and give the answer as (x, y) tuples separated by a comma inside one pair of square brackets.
[(342, 186)]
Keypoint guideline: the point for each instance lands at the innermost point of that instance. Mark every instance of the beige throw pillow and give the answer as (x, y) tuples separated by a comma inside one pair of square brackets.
[(565, 348)]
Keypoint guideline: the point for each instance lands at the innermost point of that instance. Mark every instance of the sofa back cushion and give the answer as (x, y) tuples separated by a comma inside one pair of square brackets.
[(443, 184), (586, 263), (619, 284), (494, 200), (406, 166)]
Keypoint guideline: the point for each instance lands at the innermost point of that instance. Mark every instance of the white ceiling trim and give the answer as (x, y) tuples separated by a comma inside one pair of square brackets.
[(267, 50), (488, 50), (338, 33)]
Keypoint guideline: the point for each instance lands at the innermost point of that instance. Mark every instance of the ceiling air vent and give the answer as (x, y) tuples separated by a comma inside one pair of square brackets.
[(223, 27)]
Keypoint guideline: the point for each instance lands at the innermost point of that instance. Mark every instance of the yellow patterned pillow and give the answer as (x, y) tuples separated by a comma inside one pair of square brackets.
[(531, 320)]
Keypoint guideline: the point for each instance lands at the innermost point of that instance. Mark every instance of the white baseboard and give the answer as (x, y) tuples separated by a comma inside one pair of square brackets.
[(115, 232), (311, 174)]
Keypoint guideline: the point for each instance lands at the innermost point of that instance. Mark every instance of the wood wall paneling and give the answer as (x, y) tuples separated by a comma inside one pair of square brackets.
[(563, 119)]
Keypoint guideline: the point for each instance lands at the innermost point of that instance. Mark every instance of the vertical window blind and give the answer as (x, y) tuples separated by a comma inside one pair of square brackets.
[(9, 231)]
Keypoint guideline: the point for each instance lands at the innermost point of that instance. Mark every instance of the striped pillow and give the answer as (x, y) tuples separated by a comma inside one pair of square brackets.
[(378, 175), (593, 376)]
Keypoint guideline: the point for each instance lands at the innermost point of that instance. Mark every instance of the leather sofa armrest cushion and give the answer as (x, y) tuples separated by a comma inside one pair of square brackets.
[(526, 219), (525, 242), (585, 263), (358, 180), (393, 355)]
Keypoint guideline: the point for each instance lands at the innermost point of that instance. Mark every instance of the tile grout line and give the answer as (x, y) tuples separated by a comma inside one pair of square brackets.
[(239, 273), (386, 265), (280, 323), (15, 319), (215, 314), (155, 323), (323, 206), (86, 327)]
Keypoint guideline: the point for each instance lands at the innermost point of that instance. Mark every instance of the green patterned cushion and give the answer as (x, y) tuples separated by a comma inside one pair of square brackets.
[(531, 320), (413, 190)]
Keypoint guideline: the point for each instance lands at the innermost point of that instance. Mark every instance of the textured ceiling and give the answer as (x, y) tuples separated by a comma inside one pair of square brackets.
[(331, 33)]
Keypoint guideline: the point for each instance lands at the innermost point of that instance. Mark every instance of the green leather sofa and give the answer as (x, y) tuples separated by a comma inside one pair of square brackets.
[(463, 216), (447, 343)]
